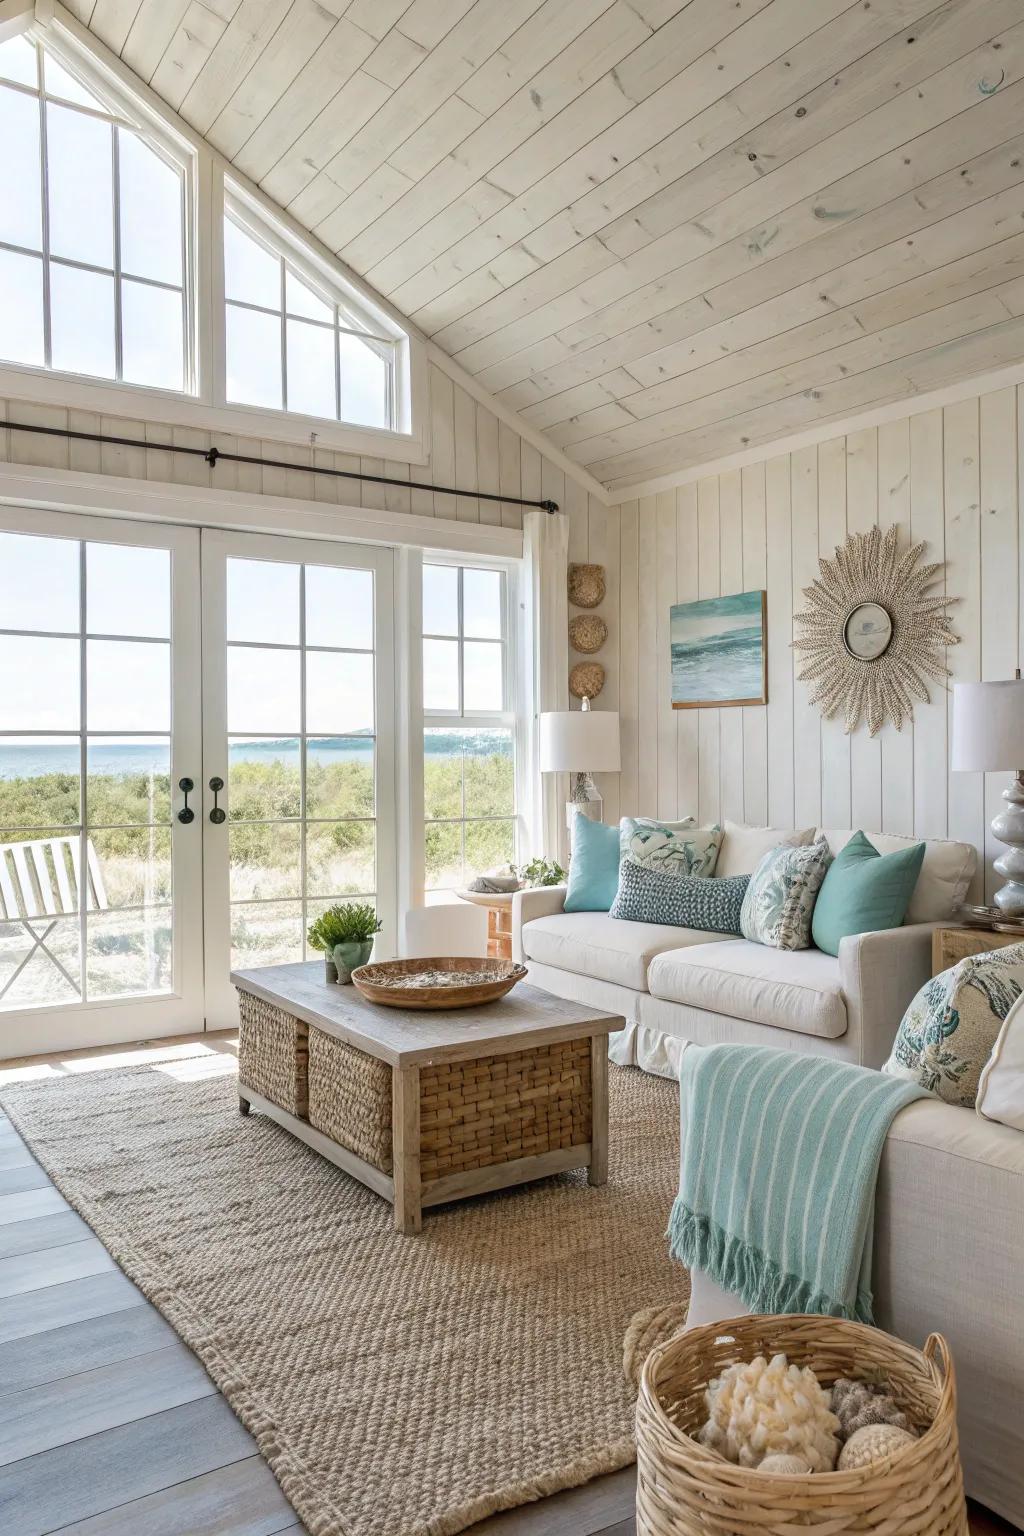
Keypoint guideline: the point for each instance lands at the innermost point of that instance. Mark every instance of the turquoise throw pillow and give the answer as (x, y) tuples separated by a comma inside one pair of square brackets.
[(594, 866), (864, 891)]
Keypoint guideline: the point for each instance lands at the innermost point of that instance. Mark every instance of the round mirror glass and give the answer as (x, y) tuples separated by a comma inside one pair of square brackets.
[(868, 632)]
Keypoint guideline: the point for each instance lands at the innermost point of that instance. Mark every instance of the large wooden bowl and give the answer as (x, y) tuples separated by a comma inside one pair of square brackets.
[(393, 982)]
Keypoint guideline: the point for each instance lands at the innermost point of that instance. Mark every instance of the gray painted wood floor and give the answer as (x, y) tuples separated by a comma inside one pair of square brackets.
[(109, 1426)]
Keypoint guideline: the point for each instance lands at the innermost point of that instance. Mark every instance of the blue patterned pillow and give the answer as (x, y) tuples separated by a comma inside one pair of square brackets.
[(687, 901)]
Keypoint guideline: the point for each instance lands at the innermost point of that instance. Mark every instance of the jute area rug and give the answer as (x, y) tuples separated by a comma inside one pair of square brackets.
[(398, 1386)]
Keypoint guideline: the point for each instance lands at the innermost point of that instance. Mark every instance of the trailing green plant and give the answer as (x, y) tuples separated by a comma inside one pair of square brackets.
[(541, 872), (354, 923)]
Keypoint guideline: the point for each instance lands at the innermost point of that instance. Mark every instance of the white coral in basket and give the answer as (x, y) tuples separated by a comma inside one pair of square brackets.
[(770, 1408)]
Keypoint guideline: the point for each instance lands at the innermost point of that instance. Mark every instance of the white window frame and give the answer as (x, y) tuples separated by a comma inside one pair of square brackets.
[(509, 717), (210, 180)]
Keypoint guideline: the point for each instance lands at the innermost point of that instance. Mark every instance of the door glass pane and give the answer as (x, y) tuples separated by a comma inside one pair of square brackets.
[(39, 781), (263, 691), (128, 780), (79, 171), (128, 590), (264, 860), (339, 693), (339, 858), (40, 960), (441, 675), (152, 339), (266, 933), (481, 604), (339, 607), (21, 219), (253, 357), (151, 202), (82, 321), (263, 779), (310, 364), (134, 865), (128, 685), (38, 684), (38, 583), (129, 953), (263, 602), (339, 777), (440, 600), (21, 309), (482, 680)]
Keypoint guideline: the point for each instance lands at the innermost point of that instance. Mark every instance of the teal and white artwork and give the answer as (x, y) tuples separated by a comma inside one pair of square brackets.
[(719, 651)]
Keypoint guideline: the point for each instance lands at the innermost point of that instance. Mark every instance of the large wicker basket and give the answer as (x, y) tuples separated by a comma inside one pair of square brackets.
[(684, 1489)]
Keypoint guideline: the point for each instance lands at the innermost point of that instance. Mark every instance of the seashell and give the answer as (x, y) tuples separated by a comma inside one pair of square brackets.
[(785, 1466), (586, 680), (872, 1442), (587, 633), (586, 585)]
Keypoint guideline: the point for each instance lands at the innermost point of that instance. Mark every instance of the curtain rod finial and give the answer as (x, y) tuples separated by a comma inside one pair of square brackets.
[(549, 506)]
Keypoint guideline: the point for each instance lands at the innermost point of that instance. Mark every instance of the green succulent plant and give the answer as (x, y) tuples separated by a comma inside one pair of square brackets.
[(354, 922)]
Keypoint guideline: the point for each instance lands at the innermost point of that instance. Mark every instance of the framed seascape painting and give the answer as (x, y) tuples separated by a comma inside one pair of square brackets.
[(720, 651)]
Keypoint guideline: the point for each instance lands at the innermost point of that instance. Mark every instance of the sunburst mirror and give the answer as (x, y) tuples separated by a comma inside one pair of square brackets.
[(873, 632)]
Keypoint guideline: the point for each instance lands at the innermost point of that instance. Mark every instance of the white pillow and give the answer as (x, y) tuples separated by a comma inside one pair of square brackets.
[(1001, 1089), (744, 847), (945, 874)]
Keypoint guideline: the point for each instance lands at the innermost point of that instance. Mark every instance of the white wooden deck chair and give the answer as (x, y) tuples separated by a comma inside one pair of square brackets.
[(42, 880)]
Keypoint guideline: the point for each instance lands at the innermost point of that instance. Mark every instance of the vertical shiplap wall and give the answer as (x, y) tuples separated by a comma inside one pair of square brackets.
[(950, 477)]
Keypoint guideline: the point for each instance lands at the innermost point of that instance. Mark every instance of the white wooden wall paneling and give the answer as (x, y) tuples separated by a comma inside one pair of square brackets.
[(779, 582), (755, 578), (629, 657), (649, 674), (665, 581), (709, 577), (730, 721), (962, 493), (999, 572), (861, 515), (835, 744), (927, 522), (894, 508), (687, 588), (807, 780)]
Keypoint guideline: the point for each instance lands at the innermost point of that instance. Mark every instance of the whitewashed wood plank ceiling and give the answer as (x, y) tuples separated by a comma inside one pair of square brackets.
[(661, 232)]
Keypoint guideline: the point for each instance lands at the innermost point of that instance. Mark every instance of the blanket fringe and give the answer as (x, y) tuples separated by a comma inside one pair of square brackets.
[(699, 1243)]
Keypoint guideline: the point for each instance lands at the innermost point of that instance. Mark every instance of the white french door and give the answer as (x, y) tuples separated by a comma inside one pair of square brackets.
[(100, 872), (298, 746)]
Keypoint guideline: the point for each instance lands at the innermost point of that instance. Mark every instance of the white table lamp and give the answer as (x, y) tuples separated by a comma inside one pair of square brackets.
[(988, 736), (581, 742)]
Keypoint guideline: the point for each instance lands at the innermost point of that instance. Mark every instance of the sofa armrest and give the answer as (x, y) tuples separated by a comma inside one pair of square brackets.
[(881, 973), (542, 901)]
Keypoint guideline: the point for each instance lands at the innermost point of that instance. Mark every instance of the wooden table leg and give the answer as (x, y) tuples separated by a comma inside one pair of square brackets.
[(597, 1173), (405, 1132)]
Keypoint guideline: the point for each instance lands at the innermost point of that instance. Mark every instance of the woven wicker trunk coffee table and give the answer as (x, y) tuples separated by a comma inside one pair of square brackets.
[(426, 1107)]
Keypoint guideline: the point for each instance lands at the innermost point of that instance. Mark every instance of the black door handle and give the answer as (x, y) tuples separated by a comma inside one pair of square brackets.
[(186, 814), (217, 815)]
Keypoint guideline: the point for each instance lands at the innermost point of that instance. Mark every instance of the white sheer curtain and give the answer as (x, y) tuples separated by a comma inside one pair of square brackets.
[(546, 644)]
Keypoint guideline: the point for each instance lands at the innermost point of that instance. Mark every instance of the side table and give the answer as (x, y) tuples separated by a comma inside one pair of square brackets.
[(952, 944), (499, 920)]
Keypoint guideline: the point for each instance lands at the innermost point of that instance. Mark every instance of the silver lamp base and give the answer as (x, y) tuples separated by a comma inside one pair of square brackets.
[(1008, 827)]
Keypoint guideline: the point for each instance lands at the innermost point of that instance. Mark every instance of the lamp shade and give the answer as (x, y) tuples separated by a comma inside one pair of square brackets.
[(988, 726), (579, 741)]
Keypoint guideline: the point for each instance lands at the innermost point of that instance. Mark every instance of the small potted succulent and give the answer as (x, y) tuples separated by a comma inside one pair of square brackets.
[(345, 936)]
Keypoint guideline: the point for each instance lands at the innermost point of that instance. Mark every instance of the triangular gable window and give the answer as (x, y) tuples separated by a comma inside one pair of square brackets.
[(92, 231), (293, 341)]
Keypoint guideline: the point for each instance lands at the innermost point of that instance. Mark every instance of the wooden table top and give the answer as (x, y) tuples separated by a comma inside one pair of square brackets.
[(524, 1017)]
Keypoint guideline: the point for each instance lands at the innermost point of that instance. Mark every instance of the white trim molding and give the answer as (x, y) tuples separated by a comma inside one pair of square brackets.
[(70, 490)]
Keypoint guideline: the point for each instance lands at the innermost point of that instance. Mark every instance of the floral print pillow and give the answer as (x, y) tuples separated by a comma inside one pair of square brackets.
[(779, 903), (949, 1030), (673, 847)]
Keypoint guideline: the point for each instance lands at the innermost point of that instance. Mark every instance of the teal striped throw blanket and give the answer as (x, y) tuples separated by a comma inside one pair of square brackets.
[(780, 1157)]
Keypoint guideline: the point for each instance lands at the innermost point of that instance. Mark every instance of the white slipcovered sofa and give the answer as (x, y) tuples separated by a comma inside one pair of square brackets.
[(673, 985), (948, 1257)]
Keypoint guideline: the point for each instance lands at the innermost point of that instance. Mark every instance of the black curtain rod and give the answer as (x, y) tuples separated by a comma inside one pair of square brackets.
[(213, 457)]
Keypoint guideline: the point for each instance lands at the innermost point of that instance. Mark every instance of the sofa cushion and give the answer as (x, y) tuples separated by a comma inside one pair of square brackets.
[(744, 847), (945, 874), (677, 847), (653, 896), (864, 891), (780, 898), (593, 867), (797, 990), (594, 944)]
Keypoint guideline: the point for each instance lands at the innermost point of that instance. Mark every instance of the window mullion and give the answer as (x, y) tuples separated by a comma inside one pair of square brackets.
[(44, 192), (284, 337), (115, 151)]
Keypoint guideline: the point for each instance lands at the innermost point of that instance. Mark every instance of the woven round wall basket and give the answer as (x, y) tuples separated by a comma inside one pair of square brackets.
[(685, 1489), (587, 633), (586, 680), (586, 585)]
